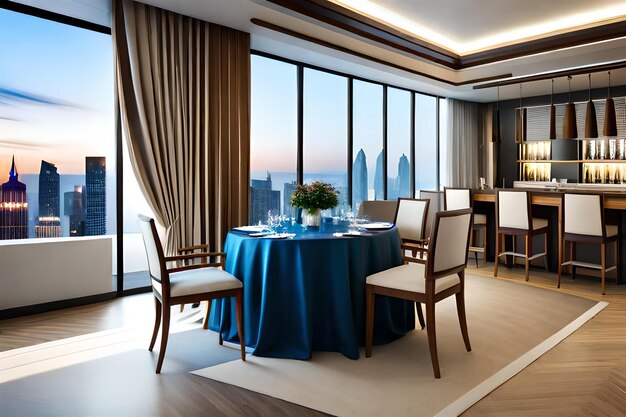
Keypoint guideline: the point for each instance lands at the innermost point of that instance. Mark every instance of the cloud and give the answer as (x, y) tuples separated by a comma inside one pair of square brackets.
[(19, 145), (7, 95)]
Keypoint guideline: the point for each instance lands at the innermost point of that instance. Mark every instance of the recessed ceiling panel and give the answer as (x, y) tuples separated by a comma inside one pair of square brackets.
[(466, 26)]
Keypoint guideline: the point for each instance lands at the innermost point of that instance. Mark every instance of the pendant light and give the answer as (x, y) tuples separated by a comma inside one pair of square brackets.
[(552, 114), (610, 122), (495, 131), (591, 123), (570, 130), (520, 123)]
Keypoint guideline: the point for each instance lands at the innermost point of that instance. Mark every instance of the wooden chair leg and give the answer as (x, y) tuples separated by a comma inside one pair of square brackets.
[(165, 330), (573, 258), (420, 315), (545, 251), (617, 256), (496, 261), (603, 263), (205, 322), (560, 269), (485, 243), (432, 338), (528, 255), (240, 327), (157, 322), (370, 299), (460, 309)]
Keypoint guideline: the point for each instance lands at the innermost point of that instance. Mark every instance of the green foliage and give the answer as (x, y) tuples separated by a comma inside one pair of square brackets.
[(316, 195)]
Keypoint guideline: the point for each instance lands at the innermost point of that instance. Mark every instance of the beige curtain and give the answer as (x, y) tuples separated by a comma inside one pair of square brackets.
[(184, 95), (465, 136)]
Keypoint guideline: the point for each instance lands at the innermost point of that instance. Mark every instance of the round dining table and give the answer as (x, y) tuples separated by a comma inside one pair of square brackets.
[(306, 293)]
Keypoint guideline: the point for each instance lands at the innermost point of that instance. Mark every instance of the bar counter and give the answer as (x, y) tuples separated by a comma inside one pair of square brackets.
[(548, 196)]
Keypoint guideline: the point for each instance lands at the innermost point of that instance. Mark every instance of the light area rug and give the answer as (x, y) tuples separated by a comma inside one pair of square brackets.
[(510, 326)]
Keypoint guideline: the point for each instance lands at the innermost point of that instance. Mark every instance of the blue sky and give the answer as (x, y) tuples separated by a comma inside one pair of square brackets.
[(56, 94)]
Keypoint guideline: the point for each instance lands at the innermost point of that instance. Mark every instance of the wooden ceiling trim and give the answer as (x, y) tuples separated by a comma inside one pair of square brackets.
[(330, 45)]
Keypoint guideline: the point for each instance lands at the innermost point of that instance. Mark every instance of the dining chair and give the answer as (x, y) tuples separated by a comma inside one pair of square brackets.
[(435, 204), (411, 216), (410, 219), (585, 223), (378, 210), (514, 218), (460, 198), (186, 284), (442, 276)]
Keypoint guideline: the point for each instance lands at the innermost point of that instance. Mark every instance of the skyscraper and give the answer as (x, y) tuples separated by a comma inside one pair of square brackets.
[(13, 207), (49, 220), (95, 196), (403, 182), (359, 179), (288, 189), (263, 199), (75, 209), (379, 179)]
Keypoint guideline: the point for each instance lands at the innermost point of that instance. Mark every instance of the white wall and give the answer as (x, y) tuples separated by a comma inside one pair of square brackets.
[(34, 272)]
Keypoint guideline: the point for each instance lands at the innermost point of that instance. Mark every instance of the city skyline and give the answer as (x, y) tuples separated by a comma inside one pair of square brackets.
[(41, 211)]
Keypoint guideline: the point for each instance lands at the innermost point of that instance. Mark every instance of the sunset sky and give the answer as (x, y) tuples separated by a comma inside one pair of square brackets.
[(56, 95)]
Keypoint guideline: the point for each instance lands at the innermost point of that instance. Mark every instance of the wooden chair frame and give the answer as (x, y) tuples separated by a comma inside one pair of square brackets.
[(429, 297), (164, 300), (416, 246), (603, 241), (528, 234)]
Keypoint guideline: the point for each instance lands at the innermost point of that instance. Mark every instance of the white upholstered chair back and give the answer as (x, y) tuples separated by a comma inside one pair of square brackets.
[(379, 210), (457, 198), (410, 218), (152, 245), (435, 205), (451, 240), (583, 214), (513, 209)]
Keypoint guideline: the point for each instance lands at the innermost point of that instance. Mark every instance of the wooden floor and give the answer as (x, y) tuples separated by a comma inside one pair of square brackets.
[(585, 375)]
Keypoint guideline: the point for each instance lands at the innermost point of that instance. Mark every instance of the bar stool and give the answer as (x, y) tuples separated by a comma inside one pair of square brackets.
[(585, 223), (514, 218), (461, 198)]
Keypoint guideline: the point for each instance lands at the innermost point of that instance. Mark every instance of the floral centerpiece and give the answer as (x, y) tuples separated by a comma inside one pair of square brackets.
[(312, 198)]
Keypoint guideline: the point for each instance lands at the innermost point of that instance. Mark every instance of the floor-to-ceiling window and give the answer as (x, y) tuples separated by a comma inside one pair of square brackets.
[(425, 143), (273, 140), (326, 130), (398, 143), (313, 124), (57, 142), (367, 142), (443, 142)]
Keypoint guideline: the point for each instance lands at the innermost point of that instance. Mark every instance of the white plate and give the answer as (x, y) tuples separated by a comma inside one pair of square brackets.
[(376, 226), (251, 229), (277, 236)]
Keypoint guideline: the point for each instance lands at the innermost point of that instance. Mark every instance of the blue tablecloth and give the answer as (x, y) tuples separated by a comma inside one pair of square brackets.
[(308, 293)]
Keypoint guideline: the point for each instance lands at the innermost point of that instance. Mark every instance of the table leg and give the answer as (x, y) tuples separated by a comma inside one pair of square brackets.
[(560, 237)]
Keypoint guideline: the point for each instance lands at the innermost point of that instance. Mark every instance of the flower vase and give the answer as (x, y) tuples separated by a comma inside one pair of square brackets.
[(312, 218)]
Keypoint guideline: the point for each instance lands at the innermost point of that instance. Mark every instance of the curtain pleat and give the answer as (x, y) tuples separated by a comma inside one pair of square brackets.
[(184, 95), (465, 137)]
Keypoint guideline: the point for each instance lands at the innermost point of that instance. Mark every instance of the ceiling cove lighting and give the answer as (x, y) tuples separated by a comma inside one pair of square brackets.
[(591, 123), (610, 121), (517, 34), (496, 135), (552, 114), (570, 130)]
